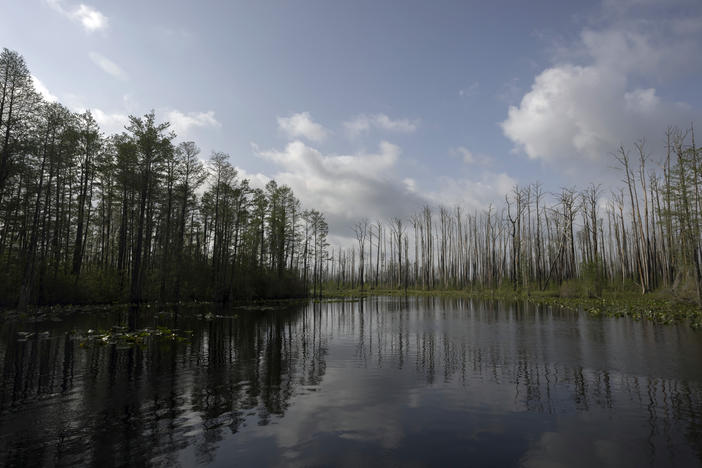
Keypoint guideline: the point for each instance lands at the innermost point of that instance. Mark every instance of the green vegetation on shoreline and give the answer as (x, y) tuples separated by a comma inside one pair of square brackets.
[(658, 307)]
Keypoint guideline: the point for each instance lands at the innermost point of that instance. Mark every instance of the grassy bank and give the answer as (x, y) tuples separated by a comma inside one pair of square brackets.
[(660, 307)]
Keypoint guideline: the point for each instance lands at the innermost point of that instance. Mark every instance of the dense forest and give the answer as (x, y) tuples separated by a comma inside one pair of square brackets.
[(136, 216), (643, 236)]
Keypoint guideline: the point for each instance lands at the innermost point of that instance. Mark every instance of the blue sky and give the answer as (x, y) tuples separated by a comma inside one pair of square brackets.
[(373, 108)]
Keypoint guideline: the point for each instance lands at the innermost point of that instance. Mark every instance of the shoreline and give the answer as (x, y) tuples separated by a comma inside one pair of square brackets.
[(656, 306)]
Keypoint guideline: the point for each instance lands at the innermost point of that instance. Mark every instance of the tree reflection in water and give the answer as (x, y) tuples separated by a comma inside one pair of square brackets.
[(555, 377)]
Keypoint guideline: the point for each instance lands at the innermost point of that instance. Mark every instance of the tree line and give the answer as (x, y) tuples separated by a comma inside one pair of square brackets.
[(644, 235), (136, 216)]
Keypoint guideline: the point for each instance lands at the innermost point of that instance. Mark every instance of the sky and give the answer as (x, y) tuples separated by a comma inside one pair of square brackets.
[(376, 108)]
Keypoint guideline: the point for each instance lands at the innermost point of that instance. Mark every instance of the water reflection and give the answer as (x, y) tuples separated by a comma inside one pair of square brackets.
[(381, 381)]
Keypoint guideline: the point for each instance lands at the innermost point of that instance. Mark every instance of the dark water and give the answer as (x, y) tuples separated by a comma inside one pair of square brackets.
[(384, 382)]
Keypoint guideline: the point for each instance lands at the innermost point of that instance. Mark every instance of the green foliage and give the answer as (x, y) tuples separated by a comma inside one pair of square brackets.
[(571, 289), (592, 278), (134, 217), (590, 284)]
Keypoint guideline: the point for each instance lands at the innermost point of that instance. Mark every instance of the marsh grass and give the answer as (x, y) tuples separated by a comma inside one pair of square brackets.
[(659, 307)]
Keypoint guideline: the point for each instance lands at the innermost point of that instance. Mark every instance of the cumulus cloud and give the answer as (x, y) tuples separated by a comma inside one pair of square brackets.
[(475, 194), (302, 125), (108, 66), (602, 92), (43, 90), (88, 17), (182, 122), (363, 123), (256, 179), (345, 187), (114, 120)]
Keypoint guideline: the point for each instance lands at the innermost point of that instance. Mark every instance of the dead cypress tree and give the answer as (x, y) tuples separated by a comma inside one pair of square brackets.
[(360, 230)]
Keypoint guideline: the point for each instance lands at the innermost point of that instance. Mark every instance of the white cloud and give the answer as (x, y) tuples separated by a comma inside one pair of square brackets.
[(400, 125), (363, 123), (181, 122), (642, 101), (88, 17), (256, 180), (110, 123), (43, 90), (488, 188), (582, 108), (108, 66), (345, 187), (114, 121), (302, 125)]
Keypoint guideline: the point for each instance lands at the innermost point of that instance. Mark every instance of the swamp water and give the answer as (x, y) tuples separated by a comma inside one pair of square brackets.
[(379, 382)]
